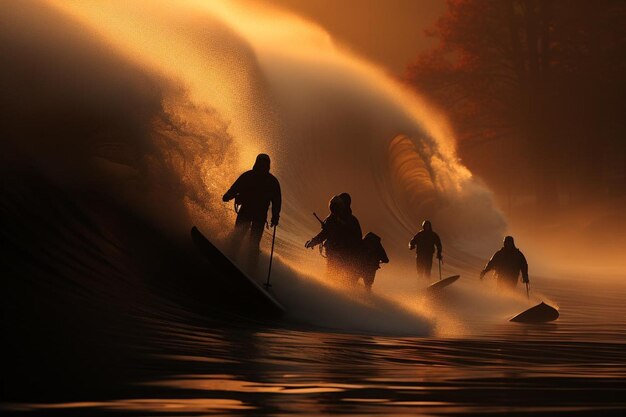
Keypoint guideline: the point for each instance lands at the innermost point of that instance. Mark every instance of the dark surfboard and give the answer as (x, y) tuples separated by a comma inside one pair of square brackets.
[(541, 313), (442, 283), (248, 291)]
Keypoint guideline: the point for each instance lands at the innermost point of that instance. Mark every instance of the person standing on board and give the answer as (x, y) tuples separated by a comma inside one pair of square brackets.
[(424, 243), (341, 236), (508, 262), (253, 192)]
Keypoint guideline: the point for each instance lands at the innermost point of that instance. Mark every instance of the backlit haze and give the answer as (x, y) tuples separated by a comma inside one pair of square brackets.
[(215, 83), (125, 121)]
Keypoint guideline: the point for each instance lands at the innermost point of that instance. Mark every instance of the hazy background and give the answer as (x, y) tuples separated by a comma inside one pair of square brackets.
[(125, 121), (534, 91), (389, 33)]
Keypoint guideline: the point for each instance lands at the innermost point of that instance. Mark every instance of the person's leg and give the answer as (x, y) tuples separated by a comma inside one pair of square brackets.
[(348, 275), (418, 268), (504, 282), (332, 265), (242, 225), (423, 267), (353, 270), (342, 274), (428, 266), (336, 267), (256, 233), (368, 278)]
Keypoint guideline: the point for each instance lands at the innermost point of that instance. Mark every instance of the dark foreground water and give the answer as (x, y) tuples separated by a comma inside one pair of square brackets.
[(574, 366), (103, 315)]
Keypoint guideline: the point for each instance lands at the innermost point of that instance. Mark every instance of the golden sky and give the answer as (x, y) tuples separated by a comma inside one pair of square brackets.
[(388, 32)]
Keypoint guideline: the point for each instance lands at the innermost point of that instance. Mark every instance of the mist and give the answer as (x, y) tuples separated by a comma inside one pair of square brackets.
[(163, 124)]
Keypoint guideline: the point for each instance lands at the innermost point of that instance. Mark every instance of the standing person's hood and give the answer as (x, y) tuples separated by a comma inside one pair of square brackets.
[(509, 243), (347, 200), (426, 225), (262, 163), (372, 236), (337, 206)]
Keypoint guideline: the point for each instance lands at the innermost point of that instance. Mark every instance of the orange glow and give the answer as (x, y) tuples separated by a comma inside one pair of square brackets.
[(189, 405), (215, 383)]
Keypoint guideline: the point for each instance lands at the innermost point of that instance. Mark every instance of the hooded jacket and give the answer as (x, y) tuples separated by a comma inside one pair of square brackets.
[(341, 230), (508, 262), (425, 242), (254, 190)]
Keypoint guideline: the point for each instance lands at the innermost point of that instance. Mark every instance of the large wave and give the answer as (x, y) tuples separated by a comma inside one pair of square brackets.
[(161, 105)]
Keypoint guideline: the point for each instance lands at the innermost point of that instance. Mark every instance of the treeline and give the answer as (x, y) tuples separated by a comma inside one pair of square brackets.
[(535, 90)]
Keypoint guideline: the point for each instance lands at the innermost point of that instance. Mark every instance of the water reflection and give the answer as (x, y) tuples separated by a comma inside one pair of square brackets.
[(188, 406), (235, 367), (229, 383)]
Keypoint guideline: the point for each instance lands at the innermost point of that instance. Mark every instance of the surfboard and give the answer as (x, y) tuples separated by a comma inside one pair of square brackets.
[(248, 290), (442, 283), (541, 313)]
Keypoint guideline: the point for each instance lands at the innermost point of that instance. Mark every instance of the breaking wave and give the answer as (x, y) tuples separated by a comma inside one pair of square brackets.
[(158, 106)]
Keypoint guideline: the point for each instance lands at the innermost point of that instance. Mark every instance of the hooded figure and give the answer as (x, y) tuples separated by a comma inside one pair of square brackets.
[(424, 243), (372, 255), (341, 236), (347, 201), (508, 262), (253, 192)]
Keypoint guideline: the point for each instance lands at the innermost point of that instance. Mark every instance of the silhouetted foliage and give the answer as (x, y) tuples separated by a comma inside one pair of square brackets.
[(535, 90)]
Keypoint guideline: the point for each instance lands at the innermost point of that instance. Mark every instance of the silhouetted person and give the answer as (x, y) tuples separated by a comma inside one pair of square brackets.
[(253, 192), (372, 255), (508, 262), (341, 236), (424, 243)]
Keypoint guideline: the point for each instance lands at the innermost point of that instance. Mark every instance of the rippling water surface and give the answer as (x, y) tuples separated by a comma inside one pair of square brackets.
[(576, 365), (120, 128)]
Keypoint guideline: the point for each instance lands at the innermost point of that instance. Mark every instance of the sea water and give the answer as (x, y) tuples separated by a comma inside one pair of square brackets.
[(161, 117), (573, 366)]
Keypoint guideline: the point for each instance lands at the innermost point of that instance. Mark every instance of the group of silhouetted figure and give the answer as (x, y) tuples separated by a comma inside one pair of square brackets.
[(349, 255)]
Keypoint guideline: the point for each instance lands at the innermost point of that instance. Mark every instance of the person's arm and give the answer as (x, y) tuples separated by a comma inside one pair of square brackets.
[(412, 243), (382, 256), (524, 267), (321, 236), (490, 265), (317, 239), (439, 247), (234, 189), (276, 204)]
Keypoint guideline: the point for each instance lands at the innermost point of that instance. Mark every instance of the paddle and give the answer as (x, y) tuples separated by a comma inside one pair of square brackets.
[(269, 272)]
